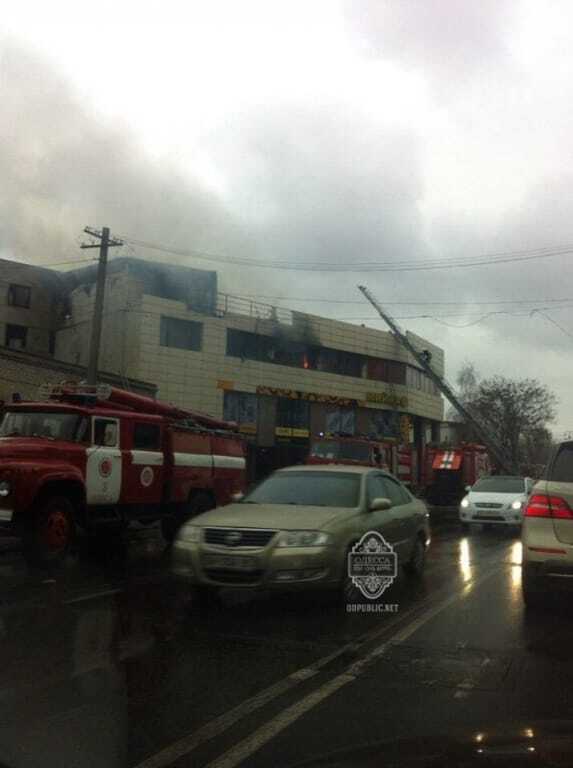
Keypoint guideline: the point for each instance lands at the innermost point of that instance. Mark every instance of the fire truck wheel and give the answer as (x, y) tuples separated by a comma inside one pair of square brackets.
[(49, 533)]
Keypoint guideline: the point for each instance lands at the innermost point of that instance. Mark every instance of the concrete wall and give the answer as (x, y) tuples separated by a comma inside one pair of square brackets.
[(45, 303), (191, 378), (119, 351)]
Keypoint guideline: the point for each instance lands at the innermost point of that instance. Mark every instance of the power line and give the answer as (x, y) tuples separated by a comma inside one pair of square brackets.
[(321, 300), (368, 266), (551, 320)]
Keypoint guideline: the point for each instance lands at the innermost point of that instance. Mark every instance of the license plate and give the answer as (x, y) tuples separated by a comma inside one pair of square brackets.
[(231, 562)]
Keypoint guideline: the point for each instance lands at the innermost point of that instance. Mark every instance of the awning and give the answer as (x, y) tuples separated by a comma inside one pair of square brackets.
[(447, 460)]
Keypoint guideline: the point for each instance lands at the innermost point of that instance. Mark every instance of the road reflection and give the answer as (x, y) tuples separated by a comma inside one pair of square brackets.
[(516, 558), (63, 682), (464, 559)]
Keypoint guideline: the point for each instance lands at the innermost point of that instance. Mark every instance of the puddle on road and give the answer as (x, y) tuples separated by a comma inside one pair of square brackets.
[(462, 668)]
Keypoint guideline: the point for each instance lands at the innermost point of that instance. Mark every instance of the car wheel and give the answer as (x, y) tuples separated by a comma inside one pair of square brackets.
[(533, 593), (417, 561), (49, 533)]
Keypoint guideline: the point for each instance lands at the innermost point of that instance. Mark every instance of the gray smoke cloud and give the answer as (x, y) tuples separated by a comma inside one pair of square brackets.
[(449, 41), (62, 167)]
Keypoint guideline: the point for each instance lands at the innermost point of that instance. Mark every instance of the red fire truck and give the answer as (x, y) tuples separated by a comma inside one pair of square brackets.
[(387, 454), (448, 470), (98, 458)]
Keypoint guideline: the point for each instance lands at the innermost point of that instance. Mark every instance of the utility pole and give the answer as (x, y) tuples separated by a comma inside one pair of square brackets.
[(105, 242), (424, 359)]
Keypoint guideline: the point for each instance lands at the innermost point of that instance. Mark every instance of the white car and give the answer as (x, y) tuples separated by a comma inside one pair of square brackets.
[(496, 500)]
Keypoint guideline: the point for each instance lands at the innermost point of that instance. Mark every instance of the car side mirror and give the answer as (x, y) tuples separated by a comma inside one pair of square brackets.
[(468, 488), (380, 504)]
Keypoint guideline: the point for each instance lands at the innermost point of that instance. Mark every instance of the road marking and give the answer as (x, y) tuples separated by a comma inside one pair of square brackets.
[(219, 725), (92, 596), (251, 744)]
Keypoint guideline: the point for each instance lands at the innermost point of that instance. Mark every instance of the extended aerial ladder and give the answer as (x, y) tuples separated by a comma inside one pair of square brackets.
[(424, 360)]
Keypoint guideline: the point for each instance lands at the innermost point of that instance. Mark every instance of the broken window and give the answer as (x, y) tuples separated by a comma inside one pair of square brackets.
[(19, 295)]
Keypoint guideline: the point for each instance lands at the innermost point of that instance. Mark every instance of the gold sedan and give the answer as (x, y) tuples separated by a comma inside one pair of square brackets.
[(297, 528)]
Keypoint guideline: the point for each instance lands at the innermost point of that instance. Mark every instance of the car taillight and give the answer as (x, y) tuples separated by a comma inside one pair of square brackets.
[(541, 505)]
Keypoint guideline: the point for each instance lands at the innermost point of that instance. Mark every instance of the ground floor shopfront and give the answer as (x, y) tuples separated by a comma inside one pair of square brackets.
[(280, 424)]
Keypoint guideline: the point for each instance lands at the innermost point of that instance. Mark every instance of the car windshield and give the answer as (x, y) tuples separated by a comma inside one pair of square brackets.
[(47, 424), (319, 489), (499, 485)]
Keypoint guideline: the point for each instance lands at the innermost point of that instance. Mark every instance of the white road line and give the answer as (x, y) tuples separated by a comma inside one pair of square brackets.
[(287, 717), (219, 725), (92, 596)]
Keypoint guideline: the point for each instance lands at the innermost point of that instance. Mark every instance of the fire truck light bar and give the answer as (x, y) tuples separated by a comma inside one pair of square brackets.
[(100, 391)]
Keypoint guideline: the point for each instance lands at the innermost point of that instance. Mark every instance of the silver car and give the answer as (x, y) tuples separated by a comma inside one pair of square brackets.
[(297, 527), (547, 533), (495, 500)]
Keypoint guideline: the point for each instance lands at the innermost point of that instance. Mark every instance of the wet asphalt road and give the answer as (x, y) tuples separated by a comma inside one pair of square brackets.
[(107, 663)]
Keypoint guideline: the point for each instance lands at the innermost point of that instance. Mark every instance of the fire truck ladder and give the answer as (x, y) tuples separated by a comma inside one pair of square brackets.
[(423, 359)]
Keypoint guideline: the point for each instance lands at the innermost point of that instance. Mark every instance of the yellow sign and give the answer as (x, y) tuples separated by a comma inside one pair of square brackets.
[(248, 429), (387, 398), (300, 432), (224, 384), (313, 397), (283, 431)]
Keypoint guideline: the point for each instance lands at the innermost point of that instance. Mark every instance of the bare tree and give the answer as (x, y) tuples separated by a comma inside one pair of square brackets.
[(518, 412)]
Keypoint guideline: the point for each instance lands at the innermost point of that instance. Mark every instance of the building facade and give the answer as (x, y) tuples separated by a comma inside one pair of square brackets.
[(283, 376), (32, 305)]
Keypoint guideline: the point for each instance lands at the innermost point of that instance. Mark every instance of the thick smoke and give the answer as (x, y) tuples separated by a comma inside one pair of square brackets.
[(62, 168)]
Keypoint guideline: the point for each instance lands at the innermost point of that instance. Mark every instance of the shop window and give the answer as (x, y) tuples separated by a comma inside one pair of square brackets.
[(181, 334), (340, 421), (293, 413), (240, 407), (384, 424)]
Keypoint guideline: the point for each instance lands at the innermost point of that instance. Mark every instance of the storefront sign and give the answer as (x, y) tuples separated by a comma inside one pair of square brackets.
[(313, 397), (291, 432), (224, 384), (387, 398), (248, 429)]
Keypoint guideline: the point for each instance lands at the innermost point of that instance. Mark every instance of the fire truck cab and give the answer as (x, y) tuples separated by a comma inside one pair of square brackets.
[(339, 449), (97, 458), (449, 469)]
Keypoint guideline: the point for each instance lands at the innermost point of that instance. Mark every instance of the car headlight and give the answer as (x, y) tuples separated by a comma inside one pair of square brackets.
[(303, 539), (516, 504), (189, 533), (4, 488), (465, 503)]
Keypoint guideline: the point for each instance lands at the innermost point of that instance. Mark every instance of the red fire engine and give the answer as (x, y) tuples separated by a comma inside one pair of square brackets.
[(448, 470), (99, 457), (386, 454)]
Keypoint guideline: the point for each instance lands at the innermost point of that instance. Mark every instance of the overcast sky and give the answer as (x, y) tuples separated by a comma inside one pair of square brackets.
[(316, 131)]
